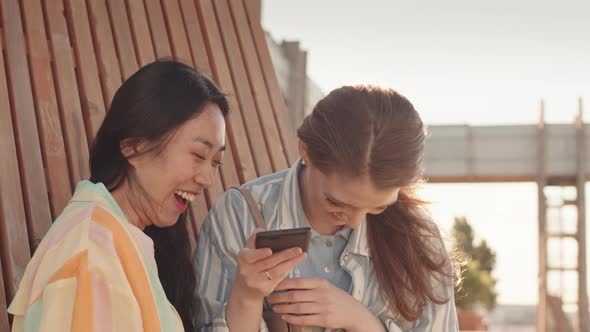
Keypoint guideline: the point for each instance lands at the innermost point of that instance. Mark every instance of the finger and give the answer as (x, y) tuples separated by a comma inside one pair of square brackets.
[(294, 296), (309, 308), (281, 271), (278, 258), (251, 242), (251, 256), (304, 320), (301, 283)]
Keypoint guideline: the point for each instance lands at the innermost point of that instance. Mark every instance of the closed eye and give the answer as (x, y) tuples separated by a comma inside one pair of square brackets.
[(199, 156), (332, 202)]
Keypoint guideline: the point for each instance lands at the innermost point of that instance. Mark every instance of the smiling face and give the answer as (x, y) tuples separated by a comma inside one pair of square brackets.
[(183, 169), (332, 201)]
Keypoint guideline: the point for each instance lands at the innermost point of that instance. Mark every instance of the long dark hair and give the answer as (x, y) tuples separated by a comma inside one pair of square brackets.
[(151, 105), (365, 130)]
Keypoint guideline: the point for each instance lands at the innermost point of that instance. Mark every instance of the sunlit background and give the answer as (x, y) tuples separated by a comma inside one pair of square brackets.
[(459, 62)]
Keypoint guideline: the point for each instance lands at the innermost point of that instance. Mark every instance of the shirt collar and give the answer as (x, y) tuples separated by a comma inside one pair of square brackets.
[(291, 209), (97, 193)]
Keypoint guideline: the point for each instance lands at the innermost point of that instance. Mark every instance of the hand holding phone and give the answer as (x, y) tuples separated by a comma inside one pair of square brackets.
[(284, 239)]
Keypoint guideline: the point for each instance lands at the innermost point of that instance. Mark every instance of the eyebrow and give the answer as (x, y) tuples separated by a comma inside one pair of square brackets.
[(209, 144), (330, 197)]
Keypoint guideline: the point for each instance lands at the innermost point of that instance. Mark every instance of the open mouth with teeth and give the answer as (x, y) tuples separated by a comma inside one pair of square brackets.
[(183, 199)]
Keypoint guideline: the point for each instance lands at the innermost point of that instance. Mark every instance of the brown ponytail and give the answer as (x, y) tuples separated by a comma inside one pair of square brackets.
[(365, 130)]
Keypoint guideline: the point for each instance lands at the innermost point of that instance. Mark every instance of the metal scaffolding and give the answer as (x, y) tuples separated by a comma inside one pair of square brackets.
[(553, 156), (551, 315)]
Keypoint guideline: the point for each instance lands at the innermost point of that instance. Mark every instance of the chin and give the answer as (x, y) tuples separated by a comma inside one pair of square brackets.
[(166, 224), (338, 223), (170, 220)]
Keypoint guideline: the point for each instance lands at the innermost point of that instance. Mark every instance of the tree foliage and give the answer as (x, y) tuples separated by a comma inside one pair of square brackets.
[(477, 288)]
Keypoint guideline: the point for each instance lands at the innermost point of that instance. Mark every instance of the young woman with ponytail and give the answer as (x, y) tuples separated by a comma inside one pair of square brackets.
[(376, 260)]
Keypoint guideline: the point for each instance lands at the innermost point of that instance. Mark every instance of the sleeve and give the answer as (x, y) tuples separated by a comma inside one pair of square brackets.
[(434, 317), (440, 317), (89, 277), (78, 298), (222, 236)]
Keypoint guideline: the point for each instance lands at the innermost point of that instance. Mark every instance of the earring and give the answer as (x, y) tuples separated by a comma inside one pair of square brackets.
[(302, 162)]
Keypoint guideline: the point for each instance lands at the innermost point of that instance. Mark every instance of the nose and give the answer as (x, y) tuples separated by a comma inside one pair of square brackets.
[(205, 176)]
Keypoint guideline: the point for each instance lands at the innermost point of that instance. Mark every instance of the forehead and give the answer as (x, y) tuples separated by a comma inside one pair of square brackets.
[(357, 191), (209, 124)]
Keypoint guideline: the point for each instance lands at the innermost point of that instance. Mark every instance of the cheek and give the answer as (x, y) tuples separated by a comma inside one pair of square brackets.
[(181, 168)]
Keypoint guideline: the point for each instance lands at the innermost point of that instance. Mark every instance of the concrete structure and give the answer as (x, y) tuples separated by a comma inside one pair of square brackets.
[(299, 91), (553, 156)]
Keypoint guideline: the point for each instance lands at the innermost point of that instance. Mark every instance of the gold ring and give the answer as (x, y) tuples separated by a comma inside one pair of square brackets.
[(267, 275)]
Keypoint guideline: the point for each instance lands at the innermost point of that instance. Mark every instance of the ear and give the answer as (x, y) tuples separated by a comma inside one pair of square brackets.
[(302, 147), (131, 147)]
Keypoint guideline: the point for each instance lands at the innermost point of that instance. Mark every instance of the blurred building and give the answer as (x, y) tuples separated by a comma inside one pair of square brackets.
[(300, 92)]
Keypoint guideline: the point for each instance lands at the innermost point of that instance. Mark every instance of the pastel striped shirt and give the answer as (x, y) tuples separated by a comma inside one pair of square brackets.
[(93, 271), (230, 223)]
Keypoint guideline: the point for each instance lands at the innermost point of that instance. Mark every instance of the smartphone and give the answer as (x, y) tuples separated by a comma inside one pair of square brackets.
[(284, 239)]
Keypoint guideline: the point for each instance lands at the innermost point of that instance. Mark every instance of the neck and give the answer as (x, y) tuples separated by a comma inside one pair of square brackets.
[(121, 196), (307, 202)]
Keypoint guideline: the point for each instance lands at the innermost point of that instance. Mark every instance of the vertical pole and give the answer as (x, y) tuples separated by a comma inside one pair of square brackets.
[(542, 215), (581, 207)]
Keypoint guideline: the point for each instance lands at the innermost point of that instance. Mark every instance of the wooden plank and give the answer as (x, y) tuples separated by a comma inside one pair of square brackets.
[(140, 29), (220, 69), (52, 144), (242, 89), (4, 321), (254, 70), (123, 39), (194, 33), (195, 37), (288, 137), (27, 135), (67, 92), (91, 96), (158, 29), (176, 32), (181, 51), (106, 54), (14, 242)]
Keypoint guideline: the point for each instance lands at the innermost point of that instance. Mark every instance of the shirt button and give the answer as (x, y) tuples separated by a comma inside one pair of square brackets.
[(345, 257), (327, 269), (328, 243)]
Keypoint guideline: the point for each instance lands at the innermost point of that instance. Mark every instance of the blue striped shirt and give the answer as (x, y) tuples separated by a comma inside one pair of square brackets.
[(230, 223)]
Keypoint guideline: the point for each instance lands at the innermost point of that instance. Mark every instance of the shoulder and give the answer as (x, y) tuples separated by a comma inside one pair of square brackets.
[(263, 190), (61, 255)]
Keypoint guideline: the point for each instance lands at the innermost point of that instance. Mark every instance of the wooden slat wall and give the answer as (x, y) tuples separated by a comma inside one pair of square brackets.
[(60, 66)]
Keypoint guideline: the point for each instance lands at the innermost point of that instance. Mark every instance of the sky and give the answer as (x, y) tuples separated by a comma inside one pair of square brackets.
[(458, 62)]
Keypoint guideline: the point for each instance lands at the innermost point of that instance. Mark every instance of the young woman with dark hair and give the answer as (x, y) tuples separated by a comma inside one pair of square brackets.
[(158, 147), (376, 260)]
